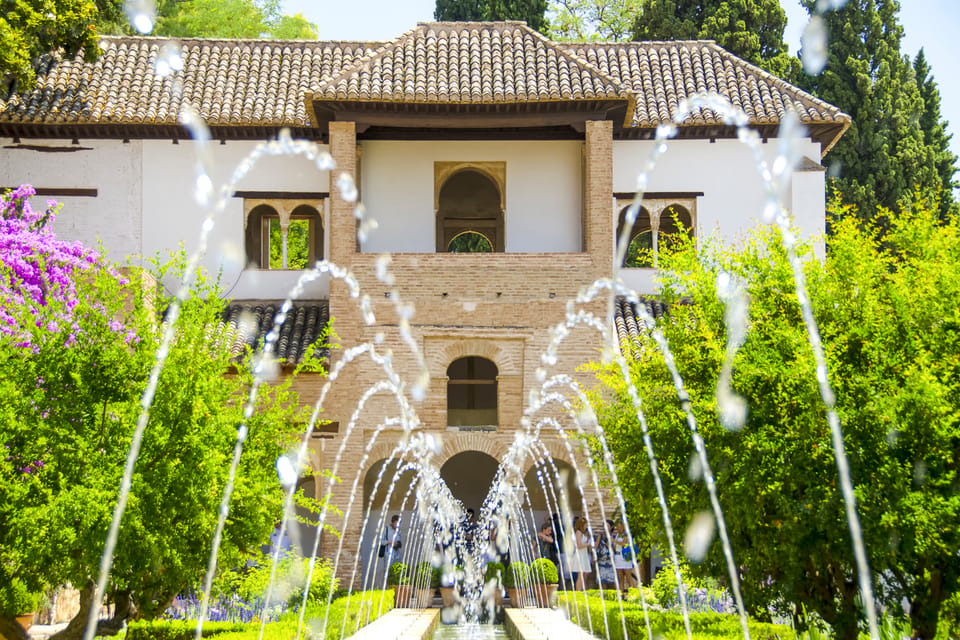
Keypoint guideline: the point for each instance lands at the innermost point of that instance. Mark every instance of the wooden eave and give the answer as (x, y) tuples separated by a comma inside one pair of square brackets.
[(825, 133), (143, 131), (502, 115)]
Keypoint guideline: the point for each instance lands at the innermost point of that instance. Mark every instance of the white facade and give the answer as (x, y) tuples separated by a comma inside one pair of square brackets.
[(543, 192), (145, 195)]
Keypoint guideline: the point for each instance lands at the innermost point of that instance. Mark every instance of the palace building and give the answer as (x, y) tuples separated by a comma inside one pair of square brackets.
[(497, 164)]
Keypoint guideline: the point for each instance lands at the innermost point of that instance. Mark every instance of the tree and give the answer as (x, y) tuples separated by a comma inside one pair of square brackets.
[(31, 28), (935, 133), (71, 378), (580, 20), (226, 19), (887, 313), (530, 11), (883, 157), (750, 29)]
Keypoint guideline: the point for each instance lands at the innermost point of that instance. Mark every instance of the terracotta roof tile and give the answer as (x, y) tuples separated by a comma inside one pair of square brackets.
[(265, 83), (628, 323), (250, 322), (661, 74)]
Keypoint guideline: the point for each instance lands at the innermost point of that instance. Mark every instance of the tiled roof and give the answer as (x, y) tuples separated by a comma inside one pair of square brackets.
[(471, 62), (663, 73), (230, 82), (250, 322), (272, 83), (628, 323)]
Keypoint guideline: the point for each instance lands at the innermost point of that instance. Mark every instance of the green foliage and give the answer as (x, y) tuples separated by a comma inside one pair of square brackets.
[(398, 575), (543, 571), (949, 618), (597, 616), (750, 29), (345, 616), (581, 20), (68, 407), (517, 574), (177, 629), (225, 19), (888, 317), (31, 28), (884, 156), (531, 11), (664, 585), (470, 242), (15, 597), (935, 134), (493, 571), (251, 584)]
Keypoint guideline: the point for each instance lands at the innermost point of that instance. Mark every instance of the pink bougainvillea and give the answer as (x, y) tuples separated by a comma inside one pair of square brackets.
[(38, 272)]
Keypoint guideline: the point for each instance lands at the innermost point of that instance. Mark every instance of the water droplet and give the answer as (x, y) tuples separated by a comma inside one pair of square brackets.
[(367, 311), (695, 469), (169, 60), (699, 536), (347, 187), (208, 224), (813, 46), (141, 14), (286, 472), (733, 411), (242, 433), (541, 374), (378, 337)]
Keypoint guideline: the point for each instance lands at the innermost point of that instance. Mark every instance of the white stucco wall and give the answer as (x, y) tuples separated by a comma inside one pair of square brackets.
[(543, 187), (733, 196), (111, 167), (171, 216)]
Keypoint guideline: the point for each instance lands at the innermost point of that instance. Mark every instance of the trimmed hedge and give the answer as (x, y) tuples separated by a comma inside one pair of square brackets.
[(375, 604), (665, 624), (178, 629)]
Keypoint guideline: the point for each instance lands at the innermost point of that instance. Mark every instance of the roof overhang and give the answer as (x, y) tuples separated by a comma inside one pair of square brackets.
[(468, 116)]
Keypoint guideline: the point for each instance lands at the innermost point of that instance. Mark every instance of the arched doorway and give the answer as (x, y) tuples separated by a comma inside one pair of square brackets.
[(469, 207), (469, 475)]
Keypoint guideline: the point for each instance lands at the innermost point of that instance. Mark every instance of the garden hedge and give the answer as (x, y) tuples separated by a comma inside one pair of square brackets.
[(665, 624)]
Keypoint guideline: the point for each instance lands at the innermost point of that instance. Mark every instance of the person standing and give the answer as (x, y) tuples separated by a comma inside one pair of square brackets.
[(390, 543), (582, 561), (622, 556)]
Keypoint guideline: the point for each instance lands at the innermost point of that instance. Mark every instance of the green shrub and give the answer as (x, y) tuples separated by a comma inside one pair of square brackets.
[(494, 571), (178, 629), (422, 574), (667, 625), (343, 617), (948, 624), (664, 585), (542, 570), (251, 585), (435, 576), (517, 574), (398, 574), (15, 598)]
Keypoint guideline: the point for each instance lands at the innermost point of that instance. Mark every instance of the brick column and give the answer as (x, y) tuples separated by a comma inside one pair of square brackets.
[(343, 234), (597, 192)]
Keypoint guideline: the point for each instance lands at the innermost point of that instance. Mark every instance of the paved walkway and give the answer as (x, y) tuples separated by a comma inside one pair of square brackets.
[(541, 624), (401, 624)]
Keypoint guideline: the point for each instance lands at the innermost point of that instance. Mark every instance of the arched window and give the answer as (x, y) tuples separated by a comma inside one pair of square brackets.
[(640, 249), (472, 393), (469, 203), (270, 246), (661, 222)]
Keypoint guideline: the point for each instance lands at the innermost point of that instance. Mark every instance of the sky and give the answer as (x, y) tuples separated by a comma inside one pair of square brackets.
[(931, 24)]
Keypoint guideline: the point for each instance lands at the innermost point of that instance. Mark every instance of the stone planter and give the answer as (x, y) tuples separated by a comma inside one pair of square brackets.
[(25, 620), (543, 595), (446, 594), (422, 598), (518, 597), (401, 595)]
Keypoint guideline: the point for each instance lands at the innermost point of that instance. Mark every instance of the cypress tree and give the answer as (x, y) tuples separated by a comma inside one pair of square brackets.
[(935, 134), (883, 158), (750, 29), (531, 11)]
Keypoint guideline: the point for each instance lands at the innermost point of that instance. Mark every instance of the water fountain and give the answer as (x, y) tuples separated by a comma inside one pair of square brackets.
[(559, 406)]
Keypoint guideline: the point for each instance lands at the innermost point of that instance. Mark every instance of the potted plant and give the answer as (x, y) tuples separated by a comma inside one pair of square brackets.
[(19, 602), (446, 590), (514, 581), (495, 571), (398, 577), (543, 575), (422, 581)]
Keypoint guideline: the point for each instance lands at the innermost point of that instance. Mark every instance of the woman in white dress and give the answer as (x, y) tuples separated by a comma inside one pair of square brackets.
[(583, 558), (624, 567)]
